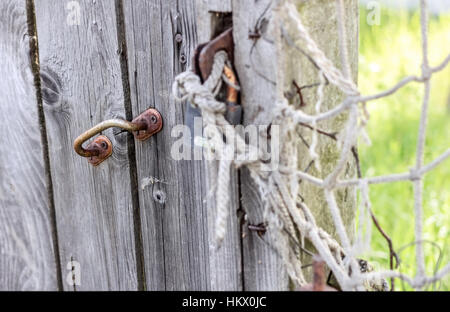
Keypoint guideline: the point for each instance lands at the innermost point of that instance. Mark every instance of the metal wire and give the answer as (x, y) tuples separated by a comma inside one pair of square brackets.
[(119, 123)]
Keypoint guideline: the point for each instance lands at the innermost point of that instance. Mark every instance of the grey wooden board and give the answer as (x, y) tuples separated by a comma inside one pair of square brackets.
[(177, 227), (263, 268), (27, 260), (219, 6), (82, 86)]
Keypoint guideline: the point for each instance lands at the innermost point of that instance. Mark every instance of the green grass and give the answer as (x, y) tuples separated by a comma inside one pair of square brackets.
[(389, 52)]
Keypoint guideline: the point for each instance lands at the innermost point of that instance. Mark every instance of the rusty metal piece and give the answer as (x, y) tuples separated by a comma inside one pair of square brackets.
[(203, 61), (103, 146), (152, 120), (204, 54), (319, 274), (260, 229), (143, 127), (319, 281), (195, 56)]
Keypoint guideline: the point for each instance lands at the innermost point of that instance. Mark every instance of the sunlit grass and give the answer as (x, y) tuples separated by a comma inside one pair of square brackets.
[(389, 52)]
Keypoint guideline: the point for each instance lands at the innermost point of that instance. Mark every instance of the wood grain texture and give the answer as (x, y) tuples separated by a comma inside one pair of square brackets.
[(219, 5), (82, 86), (27, 259), (177, 209)]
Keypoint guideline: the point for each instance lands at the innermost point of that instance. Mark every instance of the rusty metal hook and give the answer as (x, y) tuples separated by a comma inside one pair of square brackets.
[(203, 58), (143, 127), (203, 61)]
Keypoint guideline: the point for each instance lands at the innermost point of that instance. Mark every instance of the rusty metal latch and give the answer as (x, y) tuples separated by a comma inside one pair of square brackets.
[(143, 127), (203, 61)]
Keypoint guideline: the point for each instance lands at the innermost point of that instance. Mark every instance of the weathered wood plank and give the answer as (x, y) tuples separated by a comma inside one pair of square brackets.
[(263, 268), (27, 255), (82, 86), (177, 209)]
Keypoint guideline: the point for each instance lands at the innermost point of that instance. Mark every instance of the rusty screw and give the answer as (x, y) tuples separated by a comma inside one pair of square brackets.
[(260, 228), (102, 147)]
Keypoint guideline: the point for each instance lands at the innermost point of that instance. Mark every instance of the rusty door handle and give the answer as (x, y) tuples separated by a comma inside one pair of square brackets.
[(143, 126)]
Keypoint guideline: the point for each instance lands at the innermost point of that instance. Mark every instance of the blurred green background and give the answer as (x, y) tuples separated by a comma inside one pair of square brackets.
[(388, 52)]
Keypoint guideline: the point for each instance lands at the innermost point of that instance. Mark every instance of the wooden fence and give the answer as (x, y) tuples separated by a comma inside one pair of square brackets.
[(140, 220)]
